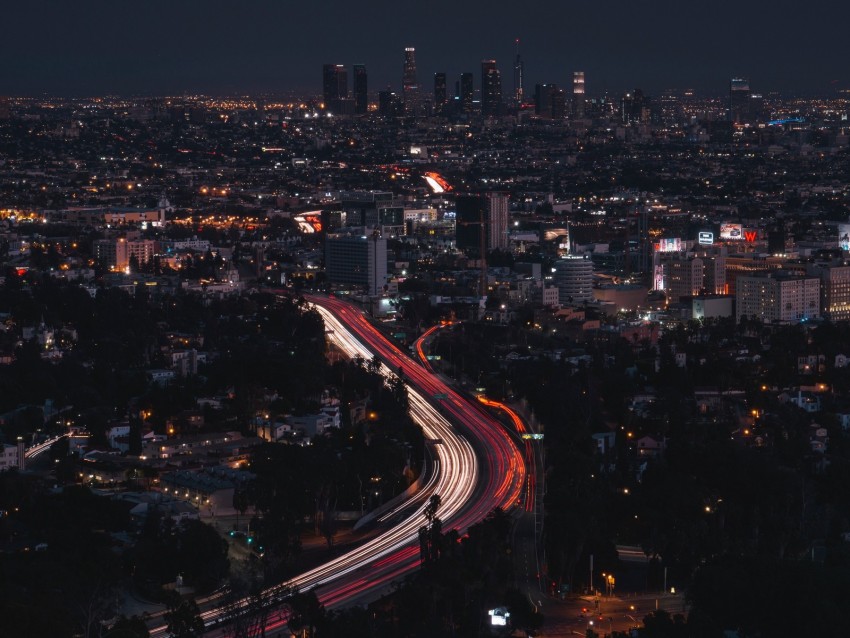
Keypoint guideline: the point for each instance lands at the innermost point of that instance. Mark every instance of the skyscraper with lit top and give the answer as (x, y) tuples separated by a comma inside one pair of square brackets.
[(409, 85), (334, 84), (491, 88), (578, 93)]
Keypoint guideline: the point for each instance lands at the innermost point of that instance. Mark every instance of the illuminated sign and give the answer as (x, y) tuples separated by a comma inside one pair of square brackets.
[(499, 617), (309, 222), (658, 278), (437, 183), (669, 245), (731, 231), (844, 236), (706, 238), (751, 235)]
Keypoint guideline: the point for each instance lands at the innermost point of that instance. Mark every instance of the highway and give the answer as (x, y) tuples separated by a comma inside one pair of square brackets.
[(479, 465), (478, 468), (39, 448)]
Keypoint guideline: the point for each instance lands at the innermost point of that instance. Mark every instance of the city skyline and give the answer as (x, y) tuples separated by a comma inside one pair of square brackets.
[(269, 47)]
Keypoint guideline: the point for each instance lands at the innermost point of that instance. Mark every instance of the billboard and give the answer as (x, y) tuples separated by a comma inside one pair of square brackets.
[(844, 236), (669, 245), (658, 278), (705, 237), (731, 231)]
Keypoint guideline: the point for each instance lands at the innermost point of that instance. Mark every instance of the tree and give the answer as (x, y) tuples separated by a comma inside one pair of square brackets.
[(133, 627), (660, 624), (183, 618), (430, 535), (202, 555), (240, 503), (307, 614)]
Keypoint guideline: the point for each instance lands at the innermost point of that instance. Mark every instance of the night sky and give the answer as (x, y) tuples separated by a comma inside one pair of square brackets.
[(158, 47)]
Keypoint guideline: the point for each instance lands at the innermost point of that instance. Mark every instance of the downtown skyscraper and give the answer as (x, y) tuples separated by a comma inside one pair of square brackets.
[(739, 100), (440, 97), (466, 92), (334, 84), (409, 85), (361, 89), (519, 70), (491, 88), (578, 94)]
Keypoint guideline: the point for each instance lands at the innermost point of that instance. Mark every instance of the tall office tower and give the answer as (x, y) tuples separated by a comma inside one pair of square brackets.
[(755, 108), (714, 269), (487, 213), (357, 261), (739, 100), (390, 103), (470, 219), (439, 92), (634, 107), (578, 93), (491, 88), (574, 279), (467, 91), (559, 104), (496, 208), (519, 68), (409, 86), (5, 108), (361, 89), (550, 101), (471, 233), (543, 99), (334, 84)]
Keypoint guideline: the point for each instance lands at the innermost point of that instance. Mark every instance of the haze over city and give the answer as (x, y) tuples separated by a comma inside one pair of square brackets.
[(164, 47)]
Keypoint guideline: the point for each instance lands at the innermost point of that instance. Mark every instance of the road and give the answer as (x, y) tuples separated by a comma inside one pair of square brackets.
[(478, 467)]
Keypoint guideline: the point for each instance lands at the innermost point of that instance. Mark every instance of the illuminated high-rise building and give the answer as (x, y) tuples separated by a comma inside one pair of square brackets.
[(334, 84), (519, 68), (409, 85), (357, 261), (487, 213), (496, 208), (440, 96), (491, 88), (467, 92), (574, 279), (578, 93), (739, 100), (361, 89)]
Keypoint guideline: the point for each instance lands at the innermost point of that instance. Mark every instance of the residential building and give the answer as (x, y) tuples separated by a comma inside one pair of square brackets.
[(777, 297)]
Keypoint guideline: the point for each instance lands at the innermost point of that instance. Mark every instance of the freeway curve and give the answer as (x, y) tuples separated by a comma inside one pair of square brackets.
[(480, 466), (477, 469)]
